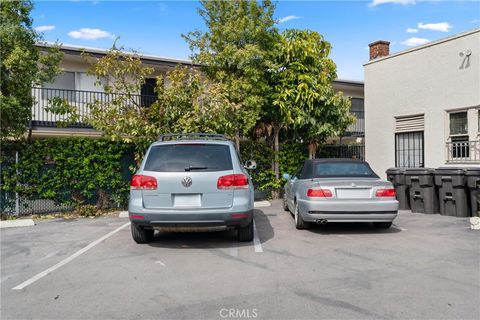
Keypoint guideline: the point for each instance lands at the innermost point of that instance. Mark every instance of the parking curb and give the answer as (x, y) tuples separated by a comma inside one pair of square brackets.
[(261, 204), (16, 223)]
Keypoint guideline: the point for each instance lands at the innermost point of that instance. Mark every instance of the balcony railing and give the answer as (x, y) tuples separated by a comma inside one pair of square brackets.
[(463, 152), (43, 116), (356, 129)]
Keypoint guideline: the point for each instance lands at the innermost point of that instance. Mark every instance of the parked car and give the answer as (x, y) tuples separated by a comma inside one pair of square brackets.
[(339, 190), (191, 182)]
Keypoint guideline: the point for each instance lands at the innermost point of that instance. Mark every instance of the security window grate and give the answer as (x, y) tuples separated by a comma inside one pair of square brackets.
[(409, 150)]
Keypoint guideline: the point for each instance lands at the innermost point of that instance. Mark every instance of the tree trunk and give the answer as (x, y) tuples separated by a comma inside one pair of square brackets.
[(312, 150), (237, 140), (276, 164)]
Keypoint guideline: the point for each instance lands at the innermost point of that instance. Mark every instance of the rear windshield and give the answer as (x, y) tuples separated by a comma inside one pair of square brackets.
[(189, 157), (342, 169)]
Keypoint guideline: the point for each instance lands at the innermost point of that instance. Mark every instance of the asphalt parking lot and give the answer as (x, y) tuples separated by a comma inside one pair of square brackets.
[(423, 267)]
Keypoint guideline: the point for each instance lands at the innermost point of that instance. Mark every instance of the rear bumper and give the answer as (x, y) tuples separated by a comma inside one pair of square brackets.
[(348, 211), (192, 220)]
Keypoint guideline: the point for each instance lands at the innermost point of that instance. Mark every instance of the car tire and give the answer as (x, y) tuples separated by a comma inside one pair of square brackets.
[(245, 234), (382, 225), (299, 222), (285, 205), (141, 235)]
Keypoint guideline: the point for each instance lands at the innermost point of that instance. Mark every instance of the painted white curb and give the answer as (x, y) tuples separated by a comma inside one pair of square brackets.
[(475, 223), (16, 223), (261, 204), (123, 214)]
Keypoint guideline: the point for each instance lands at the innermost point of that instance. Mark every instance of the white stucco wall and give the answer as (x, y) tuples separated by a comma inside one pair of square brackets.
[(430, 80)]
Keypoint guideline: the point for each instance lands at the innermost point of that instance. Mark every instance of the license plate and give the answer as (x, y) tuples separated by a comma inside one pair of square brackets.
[(354, 193), (187, 200)]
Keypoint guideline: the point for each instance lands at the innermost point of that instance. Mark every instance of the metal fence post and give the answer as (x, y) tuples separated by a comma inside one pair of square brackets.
[(17, 199)]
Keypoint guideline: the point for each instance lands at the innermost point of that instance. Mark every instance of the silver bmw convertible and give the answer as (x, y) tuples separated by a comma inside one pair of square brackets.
[(339, 190)]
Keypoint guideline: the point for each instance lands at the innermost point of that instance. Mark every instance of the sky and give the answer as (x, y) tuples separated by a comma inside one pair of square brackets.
[(155, 28)]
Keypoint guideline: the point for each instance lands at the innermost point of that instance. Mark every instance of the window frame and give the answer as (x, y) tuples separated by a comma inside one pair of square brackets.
[(422, 148)]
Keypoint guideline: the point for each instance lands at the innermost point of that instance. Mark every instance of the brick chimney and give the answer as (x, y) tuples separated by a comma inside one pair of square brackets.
[(379, 49)]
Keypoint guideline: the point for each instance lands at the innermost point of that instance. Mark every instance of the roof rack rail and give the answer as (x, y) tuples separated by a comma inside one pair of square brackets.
[(180, 136)]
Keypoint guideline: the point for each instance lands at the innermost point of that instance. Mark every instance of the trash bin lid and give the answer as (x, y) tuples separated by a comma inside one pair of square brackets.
[(395, 171), (455, 171), (472, 171), (419, 171)]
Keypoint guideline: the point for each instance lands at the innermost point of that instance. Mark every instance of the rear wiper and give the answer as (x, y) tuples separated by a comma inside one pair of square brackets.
[(189, 168)]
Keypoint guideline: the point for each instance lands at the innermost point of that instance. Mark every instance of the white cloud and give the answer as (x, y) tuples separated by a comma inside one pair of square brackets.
[(288, 18), (44, 28), (475, 21), (412, 30), (412, 42), (375, 3), (90, 34), (441, 26)]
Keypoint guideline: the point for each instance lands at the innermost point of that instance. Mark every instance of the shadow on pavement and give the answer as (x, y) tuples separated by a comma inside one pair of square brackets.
[(212, 239), (350, 228)]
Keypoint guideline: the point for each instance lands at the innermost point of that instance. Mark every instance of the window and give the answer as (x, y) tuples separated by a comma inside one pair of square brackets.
[(342, 169), (458, 123), (409, 150), (189, 157), (62, 86)]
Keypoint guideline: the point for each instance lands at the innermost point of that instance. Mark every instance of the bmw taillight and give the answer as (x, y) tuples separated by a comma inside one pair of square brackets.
[(385, 193), (233, 181), (141, 182), (319, 193)]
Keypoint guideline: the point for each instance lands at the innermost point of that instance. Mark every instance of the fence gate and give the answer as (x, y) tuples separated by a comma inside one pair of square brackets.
[(342, 151)]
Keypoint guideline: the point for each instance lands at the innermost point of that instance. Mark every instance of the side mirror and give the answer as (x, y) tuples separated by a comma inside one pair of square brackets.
[(250, 165), (286, 176)]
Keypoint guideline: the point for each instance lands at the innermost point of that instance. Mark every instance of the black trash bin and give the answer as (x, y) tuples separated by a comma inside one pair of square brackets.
[(397, 177), (473, 184), (421, 190), (452, 192)]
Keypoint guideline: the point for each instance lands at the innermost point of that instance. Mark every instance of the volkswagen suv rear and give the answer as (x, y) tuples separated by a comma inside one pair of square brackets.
[(191, 182)]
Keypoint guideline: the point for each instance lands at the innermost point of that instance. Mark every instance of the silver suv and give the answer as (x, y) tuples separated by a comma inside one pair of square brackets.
[(191, 182)]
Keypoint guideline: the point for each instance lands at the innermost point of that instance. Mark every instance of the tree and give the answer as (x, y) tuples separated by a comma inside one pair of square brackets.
[(303, 97), (192, 103), (235, 51), (189, 103), (119, 112), (22, 65)]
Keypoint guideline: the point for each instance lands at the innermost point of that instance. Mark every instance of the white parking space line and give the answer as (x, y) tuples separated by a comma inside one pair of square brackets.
[(233, 251), (256, 240), (399, 228), (67, 260), (160, 263)]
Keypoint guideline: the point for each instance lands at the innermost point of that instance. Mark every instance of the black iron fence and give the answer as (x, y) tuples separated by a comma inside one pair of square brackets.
[(48, 112), (342, 151), (463, 152)]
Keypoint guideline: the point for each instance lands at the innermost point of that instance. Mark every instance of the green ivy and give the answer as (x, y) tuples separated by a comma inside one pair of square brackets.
[(70, 171), (292, 156)]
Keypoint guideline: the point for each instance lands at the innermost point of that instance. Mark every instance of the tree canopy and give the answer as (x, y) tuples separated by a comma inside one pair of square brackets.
[(22, 65)]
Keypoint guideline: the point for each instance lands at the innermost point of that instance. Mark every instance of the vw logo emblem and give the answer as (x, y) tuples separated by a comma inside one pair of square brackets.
[(187, 182)]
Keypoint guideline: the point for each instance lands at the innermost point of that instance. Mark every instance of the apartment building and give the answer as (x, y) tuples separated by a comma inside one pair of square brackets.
[(79, 89), (422, 104)]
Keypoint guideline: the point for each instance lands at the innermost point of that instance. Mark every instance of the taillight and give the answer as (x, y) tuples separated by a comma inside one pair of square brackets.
[(385, 193), (141, 182), (322, 193), (233, 181)]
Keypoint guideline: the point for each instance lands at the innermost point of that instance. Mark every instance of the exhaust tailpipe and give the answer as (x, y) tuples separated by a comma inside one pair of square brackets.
[(321, 221)]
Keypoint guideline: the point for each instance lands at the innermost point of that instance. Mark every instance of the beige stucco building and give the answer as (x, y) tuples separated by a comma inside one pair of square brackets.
[(422, 104)]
